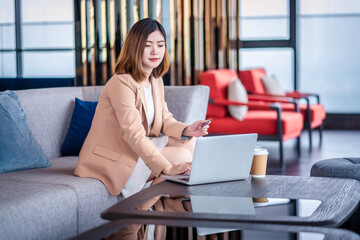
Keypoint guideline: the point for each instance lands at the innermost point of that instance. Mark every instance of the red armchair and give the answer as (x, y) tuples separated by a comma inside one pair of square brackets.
[(264, 118), (313, 114)]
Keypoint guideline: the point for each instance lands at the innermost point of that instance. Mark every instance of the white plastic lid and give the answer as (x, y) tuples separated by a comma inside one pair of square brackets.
[(260, 204), (261, 151)]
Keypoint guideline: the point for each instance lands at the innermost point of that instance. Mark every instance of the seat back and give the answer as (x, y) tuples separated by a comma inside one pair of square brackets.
[(218, 80), (252, 80)]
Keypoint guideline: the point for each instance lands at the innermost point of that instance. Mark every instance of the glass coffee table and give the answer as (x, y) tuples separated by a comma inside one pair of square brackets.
[(289, 200), (177, 229)]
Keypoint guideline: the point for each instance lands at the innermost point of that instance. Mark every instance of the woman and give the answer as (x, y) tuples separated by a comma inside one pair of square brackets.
[(131, 109)]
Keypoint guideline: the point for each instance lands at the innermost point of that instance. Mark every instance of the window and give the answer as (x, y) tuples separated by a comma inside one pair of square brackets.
[(44, 46), (329, 52), (268, 41), (264, 19), (276, 61), (7, 39), (321, 54)]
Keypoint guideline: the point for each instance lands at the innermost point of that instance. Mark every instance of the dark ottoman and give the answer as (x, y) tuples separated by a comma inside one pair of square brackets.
[(337, 167), (341, 168)]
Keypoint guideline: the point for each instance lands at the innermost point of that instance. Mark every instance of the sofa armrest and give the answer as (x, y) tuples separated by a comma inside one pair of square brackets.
[(251, 104), (187, 103), (270, 98), (275, 99), (301, 95)]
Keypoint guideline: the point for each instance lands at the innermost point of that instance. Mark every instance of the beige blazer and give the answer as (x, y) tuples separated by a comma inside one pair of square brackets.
[(119, 133)]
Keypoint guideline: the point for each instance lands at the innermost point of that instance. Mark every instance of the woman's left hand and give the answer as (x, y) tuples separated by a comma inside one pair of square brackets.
[(194, 129)]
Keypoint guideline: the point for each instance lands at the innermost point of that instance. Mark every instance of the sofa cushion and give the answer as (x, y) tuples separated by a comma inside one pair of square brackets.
[(237, 92), (92, 196), (261, 122), (252, 80), (18, 148), (48, 112), (317, 111), (193, 104), (272, 85), (37, 211), (80, 124)]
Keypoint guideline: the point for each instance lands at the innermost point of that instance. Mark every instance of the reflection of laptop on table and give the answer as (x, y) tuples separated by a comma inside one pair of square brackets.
[(220, 205), (220, 158)]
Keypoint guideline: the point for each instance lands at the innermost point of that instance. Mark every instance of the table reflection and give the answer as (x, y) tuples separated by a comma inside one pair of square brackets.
[(236, 205), (200, 204)]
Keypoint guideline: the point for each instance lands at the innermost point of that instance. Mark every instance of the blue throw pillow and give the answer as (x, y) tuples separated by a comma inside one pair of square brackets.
[(18, 148), (79, 127)]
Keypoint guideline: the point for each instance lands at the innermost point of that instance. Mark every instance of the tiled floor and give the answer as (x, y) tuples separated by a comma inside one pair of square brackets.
[(336, 143)]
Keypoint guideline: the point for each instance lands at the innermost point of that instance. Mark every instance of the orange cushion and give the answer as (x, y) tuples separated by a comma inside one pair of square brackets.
[(317, 111), (261, 122), (252, 80), (315, 124)]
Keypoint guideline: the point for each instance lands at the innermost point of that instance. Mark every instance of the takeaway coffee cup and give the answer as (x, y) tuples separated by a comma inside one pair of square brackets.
[(259, 202), (258, 168)]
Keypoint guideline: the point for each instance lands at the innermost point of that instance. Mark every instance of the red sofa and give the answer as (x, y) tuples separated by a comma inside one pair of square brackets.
[(313, 114), (264, 118)]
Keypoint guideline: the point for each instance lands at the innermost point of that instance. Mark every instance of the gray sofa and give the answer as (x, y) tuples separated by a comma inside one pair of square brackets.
[(52, 203)]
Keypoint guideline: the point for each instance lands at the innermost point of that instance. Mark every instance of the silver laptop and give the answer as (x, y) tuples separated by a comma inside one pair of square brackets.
[(219, 159)]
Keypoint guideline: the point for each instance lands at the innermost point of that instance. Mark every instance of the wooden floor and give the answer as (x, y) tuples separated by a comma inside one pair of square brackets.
[(336, 143)]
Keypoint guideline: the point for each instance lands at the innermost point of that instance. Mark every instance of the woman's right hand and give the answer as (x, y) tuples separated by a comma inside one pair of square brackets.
[(181, 168)]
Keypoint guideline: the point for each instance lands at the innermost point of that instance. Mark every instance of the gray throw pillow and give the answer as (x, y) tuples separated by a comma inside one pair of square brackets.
[(237, 92), (18, 148), (272, 85)]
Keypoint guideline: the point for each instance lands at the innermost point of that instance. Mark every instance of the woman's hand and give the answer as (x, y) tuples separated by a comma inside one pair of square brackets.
[(181, 168), (194, 129)]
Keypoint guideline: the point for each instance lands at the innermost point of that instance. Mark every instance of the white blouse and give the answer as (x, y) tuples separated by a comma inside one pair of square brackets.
[(150, 106), (141, 172)]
